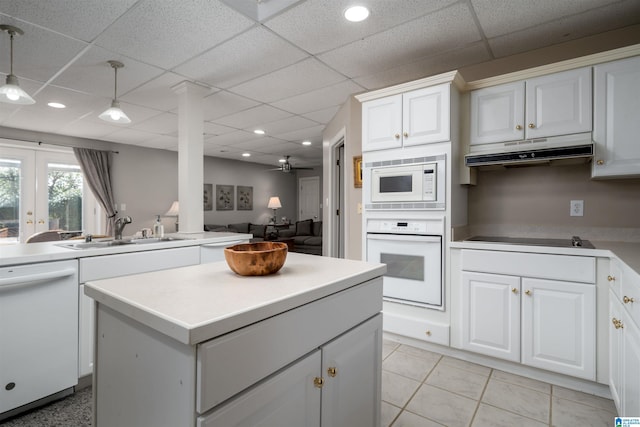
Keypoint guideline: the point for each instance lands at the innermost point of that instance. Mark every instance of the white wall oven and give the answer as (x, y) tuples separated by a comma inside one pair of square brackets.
[(401, 184), (412, 251)]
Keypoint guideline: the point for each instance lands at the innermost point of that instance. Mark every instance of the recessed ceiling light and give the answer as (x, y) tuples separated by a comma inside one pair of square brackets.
[(306, 142), (56, 105), (282, 160), (246, 154), (259, 132), (356, 13)]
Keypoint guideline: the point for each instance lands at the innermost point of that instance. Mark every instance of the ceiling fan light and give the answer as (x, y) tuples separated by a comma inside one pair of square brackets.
[(12, 93), (356, 13), (114, 114)]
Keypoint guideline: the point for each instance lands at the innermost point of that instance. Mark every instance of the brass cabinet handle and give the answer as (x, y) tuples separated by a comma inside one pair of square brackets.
[(29, 213), (318, 382), (29, 221), (518, 127), (617, 323), (397, 135), (428, 333), (528, 292), (514, 290), (531, 125), (600, 162), (611, 278), (627, 300), (332, 371), (405, 134), (41, 221)]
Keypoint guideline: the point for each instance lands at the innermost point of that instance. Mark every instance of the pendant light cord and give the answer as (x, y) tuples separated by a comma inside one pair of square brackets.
[(11, 33), (115, 86)]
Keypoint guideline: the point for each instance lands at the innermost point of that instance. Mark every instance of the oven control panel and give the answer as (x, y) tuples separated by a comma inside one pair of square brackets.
[(397, 227)]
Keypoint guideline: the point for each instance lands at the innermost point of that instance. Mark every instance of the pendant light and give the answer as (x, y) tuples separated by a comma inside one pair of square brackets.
[(11, 92), (114, 114)]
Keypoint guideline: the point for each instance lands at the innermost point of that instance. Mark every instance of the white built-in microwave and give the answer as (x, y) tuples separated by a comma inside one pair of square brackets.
[(406, 186)]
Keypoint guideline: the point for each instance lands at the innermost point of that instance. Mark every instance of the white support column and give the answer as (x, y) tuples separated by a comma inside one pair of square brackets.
[(190, 156)]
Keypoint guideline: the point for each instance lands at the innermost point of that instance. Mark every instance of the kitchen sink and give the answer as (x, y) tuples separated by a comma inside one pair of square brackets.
[(574, 242), (111, 243)]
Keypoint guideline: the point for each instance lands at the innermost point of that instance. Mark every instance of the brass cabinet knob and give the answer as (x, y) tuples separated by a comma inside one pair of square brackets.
[(518, 127), (397, 135), (41, 221), (405, 134), (600, 162), (428, 333), (318, 382), (332, 371), (528, 292), (611, 278), (531, 125), (627, 300), (617, 323), (514, 290), (29, 221)]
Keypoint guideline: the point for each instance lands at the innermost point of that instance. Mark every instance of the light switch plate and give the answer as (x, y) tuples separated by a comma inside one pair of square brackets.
[(577, 208)]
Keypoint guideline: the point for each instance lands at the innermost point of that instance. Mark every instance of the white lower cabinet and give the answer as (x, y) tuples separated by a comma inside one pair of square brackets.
[(548, 324), (337, 385)]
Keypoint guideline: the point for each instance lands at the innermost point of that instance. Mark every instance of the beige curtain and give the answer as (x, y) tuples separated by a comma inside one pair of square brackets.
[(96, 168)]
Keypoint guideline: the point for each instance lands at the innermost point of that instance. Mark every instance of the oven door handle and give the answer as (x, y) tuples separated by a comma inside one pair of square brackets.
[(404, 237)]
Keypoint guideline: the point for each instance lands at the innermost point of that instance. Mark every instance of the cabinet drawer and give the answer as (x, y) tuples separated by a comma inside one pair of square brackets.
[(233, 362), (424, 330), (544, 266), (108, 266)]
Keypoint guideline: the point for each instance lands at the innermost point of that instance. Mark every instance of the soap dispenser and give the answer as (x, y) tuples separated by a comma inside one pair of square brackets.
[(158, 228)]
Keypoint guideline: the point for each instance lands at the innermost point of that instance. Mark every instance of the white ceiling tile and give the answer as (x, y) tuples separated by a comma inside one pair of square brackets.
[(302, 134), (286, 125), (224, 103), (318, 28), (163, 123), (132, 136), (296, 79), (166, 33), (323, 116), (320, 98), (156, 93), (262, 145), (212, 129), (429, 66), (252, 117), (496, 19), (90, 129), (228, 139), (251, 54), (565, 29), (447, 29), (82, 19)]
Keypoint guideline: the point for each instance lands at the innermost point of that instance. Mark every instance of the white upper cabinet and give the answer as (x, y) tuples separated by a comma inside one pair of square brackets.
[(412, 118), (615, 123), (551, 105)]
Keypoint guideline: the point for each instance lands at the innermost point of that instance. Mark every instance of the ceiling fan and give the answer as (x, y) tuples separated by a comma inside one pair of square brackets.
[(286, 166)]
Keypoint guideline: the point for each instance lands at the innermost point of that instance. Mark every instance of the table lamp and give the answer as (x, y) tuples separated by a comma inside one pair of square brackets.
[(173, 211), (274, 203)]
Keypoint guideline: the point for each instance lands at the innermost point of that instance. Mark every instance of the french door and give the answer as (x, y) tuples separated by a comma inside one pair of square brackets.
[(42, 190)]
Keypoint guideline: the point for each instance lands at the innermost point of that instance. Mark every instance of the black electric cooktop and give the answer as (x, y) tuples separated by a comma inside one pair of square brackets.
[(574, 242)]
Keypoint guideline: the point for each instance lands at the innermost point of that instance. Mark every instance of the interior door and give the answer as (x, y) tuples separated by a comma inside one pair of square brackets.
[(308, 198), (17, 194)]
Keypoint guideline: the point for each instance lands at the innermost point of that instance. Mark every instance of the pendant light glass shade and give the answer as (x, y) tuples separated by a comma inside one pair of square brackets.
[(114, 114), (11, 92)]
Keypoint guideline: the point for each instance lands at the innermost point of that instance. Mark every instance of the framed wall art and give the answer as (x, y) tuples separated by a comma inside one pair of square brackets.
[(224, 197), (207, 197), (245, 198), (357, 171)]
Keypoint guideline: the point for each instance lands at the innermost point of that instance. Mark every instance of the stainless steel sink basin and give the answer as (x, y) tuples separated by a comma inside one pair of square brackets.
[(574, 242), (156, 240), (92, 245)]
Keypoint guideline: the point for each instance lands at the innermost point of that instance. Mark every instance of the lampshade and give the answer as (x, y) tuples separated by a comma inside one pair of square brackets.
[(11, 92), (274, 203), (173, 210), (114, 114)]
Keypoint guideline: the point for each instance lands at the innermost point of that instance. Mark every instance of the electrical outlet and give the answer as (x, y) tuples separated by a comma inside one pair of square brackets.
[(577, 208)]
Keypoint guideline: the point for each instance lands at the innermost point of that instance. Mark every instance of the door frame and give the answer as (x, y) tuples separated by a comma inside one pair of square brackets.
[(336, 186)]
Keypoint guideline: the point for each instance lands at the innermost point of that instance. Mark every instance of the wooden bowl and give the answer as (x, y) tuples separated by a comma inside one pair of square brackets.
[(256, 259)]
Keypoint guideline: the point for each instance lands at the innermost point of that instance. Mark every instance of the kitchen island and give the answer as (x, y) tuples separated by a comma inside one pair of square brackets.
[(203, 346)]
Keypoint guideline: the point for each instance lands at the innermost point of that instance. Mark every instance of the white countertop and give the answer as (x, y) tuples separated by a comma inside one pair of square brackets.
[(627, 252), (28, 253), (194, 304)]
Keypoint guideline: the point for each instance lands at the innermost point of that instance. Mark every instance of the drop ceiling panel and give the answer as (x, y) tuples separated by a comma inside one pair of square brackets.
[(438, 32), (289, 124), (167, 33), (212, 129), (156, 93), (321, 98), (302, 134), (318, 28), (132, 136), (262, 145), (323, 116), (252, 117), (161, 142), (296, 79), (496, 19), (97, 129), (250, 55), (229, 139), (163, 123), (82, 19), (92, 74), (223, 103)]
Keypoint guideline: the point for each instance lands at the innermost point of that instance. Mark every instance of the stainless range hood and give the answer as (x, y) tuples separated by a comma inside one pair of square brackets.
[(541, 150)]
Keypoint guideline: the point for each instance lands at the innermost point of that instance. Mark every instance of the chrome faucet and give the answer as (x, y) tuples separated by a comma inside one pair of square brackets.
[(119, 226)]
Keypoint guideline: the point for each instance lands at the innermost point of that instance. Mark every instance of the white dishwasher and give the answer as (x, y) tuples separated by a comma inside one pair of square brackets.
[(38, 332)]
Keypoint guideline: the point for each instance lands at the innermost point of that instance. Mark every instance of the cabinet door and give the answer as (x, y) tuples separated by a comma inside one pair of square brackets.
[(426, 116), (86, 325), (290, 398), (351, 368), (497, 114), (491, 315), (615, 118), (615, 350), (631, 369), (382, 123), (558, 326), (559, 104)]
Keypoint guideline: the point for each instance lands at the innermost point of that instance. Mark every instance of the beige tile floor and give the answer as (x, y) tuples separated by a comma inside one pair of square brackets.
[(424, 389)]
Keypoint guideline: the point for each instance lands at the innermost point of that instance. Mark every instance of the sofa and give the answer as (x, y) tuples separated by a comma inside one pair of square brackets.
[(306, 235)]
